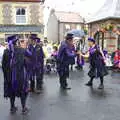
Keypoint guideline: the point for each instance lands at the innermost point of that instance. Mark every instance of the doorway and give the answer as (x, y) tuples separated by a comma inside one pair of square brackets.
[(99, 37)]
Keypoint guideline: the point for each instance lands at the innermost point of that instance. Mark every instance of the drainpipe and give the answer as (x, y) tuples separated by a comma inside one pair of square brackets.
[(58, 32)]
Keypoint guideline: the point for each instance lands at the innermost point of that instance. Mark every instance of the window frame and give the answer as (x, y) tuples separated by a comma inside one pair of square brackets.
[(67, 26), (78, 27), (21, 23)]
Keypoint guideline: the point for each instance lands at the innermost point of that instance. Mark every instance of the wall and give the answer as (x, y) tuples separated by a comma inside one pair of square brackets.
[(61, 31), (52, 29), (8, 15), (72, 26), (0, 13), (110, 37)]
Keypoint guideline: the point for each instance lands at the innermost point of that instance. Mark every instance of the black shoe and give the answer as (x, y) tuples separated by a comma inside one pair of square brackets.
[(13, 110), (89, 84), (31, 90), (25, 111), (101, 87), (77, 67), (65, 88), (68, 88), (38, 91)]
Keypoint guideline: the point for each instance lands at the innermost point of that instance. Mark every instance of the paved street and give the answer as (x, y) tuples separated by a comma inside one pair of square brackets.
[(80, 103)]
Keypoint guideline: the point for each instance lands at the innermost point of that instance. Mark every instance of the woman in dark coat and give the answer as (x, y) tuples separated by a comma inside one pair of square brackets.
[(97, 64), (15, 76)]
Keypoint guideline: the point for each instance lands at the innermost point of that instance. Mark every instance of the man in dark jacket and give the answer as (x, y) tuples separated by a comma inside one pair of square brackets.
[(39, 67), (31, 48), (37, 63), (64, 60)]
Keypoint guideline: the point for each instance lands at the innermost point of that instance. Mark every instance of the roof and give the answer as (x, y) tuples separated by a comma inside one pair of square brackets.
[(20, 0), (111, 9), (69, 17)]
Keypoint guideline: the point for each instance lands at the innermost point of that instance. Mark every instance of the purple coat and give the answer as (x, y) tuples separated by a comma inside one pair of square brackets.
[(37, 58), (15, 74), (64, 59), (39, 64)]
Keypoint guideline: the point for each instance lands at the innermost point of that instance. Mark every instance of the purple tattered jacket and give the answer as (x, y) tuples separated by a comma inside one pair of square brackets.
[(64, 57), (37, 58), (15, 73)]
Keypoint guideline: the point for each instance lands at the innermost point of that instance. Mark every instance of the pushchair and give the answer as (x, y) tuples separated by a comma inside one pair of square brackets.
[(51, 65), (109, 63)]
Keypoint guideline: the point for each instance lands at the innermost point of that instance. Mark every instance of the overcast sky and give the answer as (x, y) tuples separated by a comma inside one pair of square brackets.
[(84, 7)]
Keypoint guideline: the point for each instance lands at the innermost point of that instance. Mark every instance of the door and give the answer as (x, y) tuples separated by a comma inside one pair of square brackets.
[(99, 37)]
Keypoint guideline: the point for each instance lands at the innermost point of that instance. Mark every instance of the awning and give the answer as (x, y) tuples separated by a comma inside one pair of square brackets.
[(21, 28)]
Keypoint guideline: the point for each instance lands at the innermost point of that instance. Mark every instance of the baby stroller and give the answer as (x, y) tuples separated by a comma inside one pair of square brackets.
[(108, 62), (51, 65), (51, 62)]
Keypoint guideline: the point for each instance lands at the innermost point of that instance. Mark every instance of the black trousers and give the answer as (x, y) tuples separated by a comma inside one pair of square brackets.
[(23, 99), (32, 82), (101, 80), (39, 80), (63, 81)]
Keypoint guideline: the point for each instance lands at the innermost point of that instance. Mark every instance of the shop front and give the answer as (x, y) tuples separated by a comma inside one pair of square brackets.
[(21, 30)]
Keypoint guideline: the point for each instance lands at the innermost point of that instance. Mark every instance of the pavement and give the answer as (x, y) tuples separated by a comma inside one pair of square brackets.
[(80, 103)]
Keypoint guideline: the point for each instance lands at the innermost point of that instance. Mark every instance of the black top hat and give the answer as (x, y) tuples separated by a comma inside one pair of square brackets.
[(33, 36), (69, 36), (12, 38), (91, 39), (38, 40)]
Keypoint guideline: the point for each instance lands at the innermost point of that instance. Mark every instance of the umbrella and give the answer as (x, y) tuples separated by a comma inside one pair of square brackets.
[(77, 33)]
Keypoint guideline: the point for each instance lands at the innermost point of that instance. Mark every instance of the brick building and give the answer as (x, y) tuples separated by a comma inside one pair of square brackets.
[(59, 23), (20, 17), (105, 25)]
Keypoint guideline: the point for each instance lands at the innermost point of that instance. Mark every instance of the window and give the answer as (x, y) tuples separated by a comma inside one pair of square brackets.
[(78, 27), (20, 16), (67, 27)]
